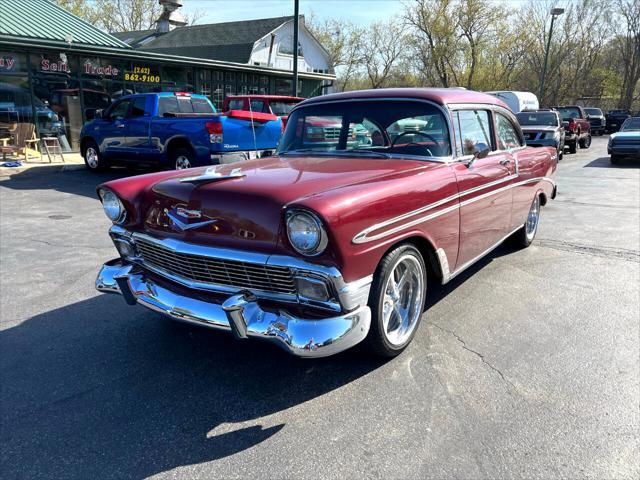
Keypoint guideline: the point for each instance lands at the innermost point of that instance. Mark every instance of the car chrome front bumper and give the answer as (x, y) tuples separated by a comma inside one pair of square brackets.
[(239, 313)]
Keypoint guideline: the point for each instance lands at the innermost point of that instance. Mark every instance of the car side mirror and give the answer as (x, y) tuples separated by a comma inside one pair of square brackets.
[(97, 113), (481, 151), (588, 117)]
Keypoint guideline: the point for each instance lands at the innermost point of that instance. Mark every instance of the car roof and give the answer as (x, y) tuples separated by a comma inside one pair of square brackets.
[(266, 97), (441, 96)]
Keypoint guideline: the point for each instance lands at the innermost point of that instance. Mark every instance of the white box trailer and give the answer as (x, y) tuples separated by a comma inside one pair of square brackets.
[(518, 101)]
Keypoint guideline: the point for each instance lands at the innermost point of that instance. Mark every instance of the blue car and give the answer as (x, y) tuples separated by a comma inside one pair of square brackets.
[(175, 130), (626, 142)]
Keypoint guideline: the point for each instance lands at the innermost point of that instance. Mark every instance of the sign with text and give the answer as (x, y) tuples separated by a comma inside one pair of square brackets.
[(142, 74)]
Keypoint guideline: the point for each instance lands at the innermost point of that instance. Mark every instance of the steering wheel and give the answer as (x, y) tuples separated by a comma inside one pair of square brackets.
[(425, 135)]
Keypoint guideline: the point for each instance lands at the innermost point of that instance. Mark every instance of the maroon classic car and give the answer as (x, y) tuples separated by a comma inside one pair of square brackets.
[(328, 244)]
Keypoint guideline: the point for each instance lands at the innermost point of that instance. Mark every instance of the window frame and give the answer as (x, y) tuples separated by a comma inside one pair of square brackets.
[(492, 133), (518, 132)]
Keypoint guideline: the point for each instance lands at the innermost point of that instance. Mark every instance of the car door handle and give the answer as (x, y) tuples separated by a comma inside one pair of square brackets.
[(504, 161), (120, 126)]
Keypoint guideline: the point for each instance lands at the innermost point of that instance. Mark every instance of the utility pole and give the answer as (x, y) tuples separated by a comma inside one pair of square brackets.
[(555, 12), (296, 25)]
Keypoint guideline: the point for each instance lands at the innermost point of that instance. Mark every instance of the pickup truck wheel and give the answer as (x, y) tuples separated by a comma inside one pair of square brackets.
[(586, 141), (524, 237), (93, 158), (182, 158), (396, 300)]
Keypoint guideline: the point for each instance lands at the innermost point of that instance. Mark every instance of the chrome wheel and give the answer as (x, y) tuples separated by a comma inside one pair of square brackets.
[(91, 156), (182, 162), (403, 299), (532, 220)]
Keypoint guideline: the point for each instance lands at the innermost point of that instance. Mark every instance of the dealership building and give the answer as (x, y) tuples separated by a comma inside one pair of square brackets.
[(57, 69)]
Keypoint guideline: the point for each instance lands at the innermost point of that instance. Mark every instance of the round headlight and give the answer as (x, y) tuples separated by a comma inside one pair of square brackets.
[(112, 206), (305, 232)]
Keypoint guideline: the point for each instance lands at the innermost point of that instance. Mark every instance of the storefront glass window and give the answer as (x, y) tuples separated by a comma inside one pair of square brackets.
[(55, 85), (15, 103)]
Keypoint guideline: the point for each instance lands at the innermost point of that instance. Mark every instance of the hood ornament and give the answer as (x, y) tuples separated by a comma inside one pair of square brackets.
[(212, 175)]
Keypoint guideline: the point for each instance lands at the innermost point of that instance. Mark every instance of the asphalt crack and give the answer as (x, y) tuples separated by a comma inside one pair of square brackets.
[(605, 252), (476, 353)]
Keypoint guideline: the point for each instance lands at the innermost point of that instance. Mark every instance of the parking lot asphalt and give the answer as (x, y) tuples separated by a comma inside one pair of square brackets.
[(525, 366)]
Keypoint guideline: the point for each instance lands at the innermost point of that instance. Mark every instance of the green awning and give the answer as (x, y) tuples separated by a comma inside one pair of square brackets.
[(42, 19)]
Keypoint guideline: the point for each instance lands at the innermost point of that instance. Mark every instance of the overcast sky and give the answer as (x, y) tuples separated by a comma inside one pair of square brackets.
[(358, 11)]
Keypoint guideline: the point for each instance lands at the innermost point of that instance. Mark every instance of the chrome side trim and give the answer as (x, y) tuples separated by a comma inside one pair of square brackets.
[(478, 257), (364, 237)]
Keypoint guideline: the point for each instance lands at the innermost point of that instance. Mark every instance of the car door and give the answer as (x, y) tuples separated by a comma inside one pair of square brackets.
[(137, 129), (484, 184), (113, 130)]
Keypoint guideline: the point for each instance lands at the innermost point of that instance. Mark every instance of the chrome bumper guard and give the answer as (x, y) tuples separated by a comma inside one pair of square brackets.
[(239, 313)]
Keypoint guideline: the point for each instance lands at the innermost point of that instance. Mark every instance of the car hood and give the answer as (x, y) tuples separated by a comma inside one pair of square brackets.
[(625, 135), (244, 207)]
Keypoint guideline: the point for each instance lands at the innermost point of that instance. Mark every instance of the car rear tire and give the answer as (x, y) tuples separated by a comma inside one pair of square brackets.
[(396, 300), (586, 141), (93, 158), (182, 158), (524, 237)]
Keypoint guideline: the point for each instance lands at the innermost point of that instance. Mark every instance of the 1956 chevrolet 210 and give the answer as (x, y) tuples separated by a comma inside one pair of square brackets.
[(328, 244)]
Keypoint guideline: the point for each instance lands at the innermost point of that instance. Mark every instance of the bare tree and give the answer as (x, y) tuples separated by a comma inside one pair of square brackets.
[(628, 44), (385, 44), (121, 15), (343, 42)]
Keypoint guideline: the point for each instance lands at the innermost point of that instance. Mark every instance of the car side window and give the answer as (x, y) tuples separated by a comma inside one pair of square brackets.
[(167, 105), (138, 106), (507, 135), (236, 104), (119, 110), (472, 128), (257, 106)]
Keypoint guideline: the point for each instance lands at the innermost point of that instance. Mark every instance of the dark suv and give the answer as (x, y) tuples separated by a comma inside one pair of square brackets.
[(615, 119), (542, 128), (597, 120)]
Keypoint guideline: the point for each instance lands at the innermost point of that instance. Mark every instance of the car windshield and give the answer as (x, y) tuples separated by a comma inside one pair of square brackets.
[(280, 107), (593, 111), (534, 118), (376, 128), (631, 125), (569, 112)]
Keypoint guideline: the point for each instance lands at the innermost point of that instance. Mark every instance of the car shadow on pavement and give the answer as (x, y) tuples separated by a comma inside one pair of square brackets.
[(605, 162), (97, 389), (76, 182)]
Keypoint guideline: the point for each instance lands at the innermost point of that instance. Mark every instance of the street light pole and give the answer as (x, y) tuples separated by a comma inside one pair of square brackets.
[(296, 25), (555, 12)]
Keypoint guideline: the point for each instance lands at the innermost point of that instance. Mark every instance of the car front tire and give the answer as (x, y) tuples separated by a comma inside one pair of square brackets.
[(615, 160), (397, 300)]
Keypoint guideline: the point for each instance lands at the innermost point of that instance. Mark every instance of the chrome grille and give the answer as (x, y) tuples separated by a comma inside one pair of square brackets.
[(332, 133), (217, 271)]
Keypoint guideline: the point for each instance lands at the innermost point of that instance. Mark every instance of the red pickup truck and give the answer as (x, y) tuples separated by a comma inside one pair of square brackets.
[(576, 125), (278, 105)]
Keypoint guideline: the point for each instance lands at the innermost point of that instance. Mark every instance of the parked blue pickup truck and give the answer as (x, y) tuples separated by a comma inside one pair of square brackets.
[(175, 130)]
